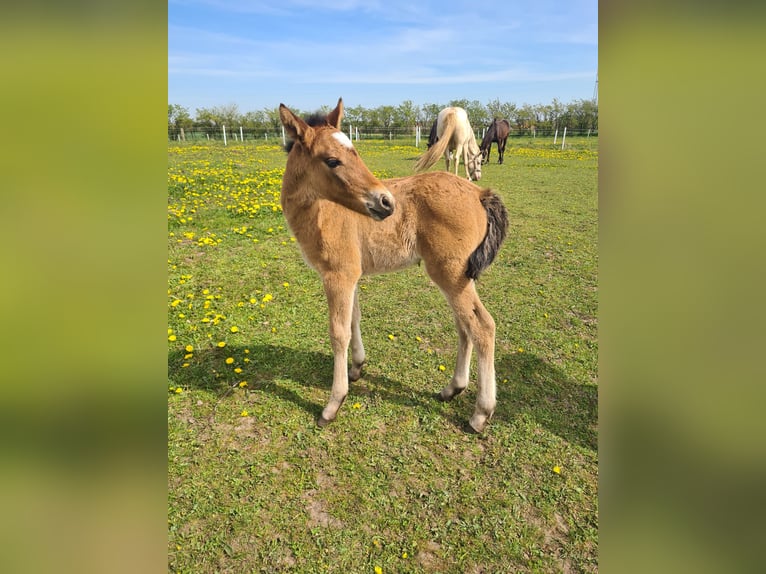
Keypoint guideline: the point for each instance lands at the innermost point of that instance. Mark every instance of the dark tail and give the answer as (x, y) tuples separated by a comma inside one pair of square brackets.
[(497, 227)]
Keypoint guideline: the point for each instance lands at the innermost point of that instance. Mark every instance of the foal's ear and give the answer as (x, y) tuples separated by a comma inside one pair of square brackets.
[(295, 127), (334, 117)]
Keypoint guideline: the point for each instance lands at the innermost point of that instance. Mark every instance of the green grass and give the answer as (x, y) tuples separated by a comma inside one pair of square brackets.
[(395, 482)]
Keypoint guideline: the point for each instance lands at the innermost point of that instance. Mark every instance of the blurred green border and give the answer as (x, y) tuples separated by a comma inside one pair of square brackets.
[(82, 294)]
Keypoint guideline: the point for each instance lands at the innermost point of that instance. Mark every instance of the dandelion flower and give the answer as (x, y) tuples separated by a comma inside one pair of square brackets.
[(172, 338), (520, 350), (267, 297), (179, 390), (234, 329), (243, 384), (221, 344), (357, 406), (229, 360), (378, 570), (557, 469), (442, 368), (189, 348), (391, 337), (285, 284), (244, 413)]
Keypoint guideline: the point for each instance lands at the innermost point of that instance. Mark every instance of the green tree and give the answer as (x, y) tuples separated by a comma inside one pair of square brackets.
[(178, 116)]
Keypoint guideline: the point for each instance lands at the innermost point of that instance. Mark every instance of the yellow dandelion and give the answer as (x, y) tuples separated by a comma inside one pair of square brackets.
[(234, 329), (243, 384), (238, 370), (244, 413), (267, 297), (442, 368), (229, 360), (221, 344), (520, 350), (557, 469), (357, 406), (404, 555), (179, 390), (189, 348), (378, 570), (172, 338), (391, 337), (285, 284)]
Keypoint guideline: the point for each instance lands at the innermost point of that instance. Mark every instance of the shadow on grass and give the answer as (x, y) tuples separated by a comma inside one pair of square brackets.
[(268, 364), (535, 387)]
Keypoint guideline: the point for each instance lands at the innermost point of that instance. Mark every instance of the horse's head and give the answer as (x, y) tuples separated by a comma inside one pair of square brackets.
[(474, 165), (323, 158)]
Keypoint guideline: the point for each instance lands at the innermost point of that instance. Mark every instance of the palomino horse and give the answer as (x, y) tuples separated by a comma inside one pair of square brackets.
[(498, 132), (453, 132), (348, 223)]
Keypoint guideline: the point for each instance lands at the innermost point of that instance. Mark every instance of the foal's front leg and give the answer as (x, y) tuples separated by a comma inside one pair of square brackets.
[(340, 301), (357, 347)]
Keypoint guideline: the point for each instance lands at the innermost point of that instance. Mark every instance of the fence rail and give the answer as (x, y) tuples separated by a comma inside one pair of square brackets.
[(357, 132)]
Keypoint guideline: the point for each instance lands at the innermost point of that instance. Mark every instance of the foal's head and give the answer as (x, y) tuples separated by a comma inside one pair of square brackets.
[(324, 160)]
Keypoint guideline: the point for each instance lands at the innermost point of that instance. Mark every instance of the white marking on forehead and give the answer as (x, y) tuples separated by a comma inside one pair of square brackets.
[(343, 139)]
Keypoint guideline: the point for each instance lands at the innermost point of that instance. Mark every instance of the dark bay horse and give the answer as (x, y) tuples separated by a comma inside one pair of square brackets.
[(348, 223), (498, 132)]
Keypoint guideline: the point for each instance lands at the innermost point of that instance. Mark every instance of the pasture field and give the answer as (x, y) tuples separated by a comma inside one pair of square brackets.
[(394, 485)]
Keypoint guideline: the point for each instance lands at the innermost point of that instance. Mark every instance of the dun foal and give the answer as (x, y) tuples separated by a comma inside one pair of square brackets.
[(349, 223)]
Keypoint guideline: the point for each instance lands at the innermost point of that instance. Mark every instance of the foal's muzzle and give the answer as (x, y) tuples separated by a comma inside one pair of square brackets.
[(380, 205)]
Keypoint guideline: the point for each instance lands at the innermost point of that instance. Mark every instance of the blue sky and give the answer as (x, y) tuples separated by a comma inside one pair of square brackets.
[(308, 53)]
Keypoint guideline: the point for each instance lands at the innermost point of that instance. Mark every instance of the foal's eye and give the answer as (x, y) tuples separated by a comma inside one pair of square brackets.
[(332, 162)]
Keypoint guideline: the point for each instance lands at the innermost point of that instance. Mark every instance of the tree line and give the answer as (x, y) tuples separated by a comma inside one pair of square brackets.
[(579, 115)]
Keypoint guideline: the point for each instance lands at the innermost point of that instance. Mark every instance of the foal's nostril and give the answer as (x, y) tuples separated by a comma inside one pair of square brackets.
[(386, 203)]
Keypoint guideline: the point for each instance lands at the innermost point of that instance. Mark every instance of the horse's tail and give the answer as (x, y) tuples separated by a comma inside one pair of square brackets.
[(437, 150), (497, 227)]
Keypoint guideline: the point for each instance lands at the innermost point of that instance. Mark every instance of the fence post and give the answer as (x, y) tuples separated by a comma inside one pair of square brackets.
[(224, 135), (555, 136), (564, 137), (241, 137)]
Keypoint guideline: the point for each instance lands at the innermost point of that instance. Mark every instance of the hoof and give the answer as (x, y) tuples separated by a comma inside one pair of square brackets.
[(355, 373), (447, 396), (468, 428), (323, 422), (478, 423)]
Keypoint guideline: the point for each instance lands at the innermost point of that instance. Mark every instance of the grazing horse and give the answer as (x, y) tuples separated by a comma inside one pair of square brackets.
[(453, 132), (348, 223), (498, 132)]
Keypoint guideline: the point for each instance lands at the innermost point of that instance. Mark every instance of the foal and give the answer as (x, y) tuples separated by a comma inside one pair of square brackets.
[(349, 223)]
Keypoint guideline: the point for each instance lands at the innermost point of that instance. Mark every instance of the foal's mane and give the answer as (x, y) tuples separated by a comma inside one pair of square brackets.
[(315, 119)]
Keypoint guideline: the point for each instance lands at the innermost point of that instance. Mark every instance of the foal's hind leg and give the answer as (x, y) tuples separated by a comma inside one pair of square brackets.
[(475, 328), (480, 327)]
